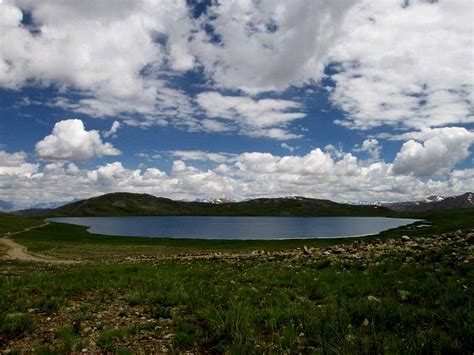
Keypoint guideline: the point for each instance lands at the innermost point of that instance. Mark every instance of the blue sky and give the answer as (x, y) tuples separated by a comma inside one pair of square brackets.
[(348, 100)]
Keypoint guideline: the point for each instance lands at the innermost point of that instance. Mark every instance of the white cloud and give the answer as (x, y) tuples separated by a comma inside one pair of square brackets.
[(15, 164), (406, 67), (370, 146), (249, 175), (70, 141), (113, 130), (105, 49), (265, 117), (269, 45), (441, 149), (410, 67), (10, 15), (288, 147), (199, 155), (319, 174)]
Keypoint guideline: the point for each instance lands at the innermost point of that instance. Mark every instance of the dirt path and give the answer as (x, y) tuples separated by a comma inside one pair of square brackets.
[(17, 251)]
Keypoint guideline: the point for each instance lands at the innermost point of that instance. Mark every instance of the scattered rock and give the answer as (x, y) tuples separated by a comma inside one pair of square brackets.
[(373, 298), (403, 295)]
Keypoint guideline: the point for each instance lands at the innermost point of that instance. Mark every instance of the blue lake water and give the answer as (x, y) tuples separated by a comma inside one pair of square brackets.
[(237, 227)]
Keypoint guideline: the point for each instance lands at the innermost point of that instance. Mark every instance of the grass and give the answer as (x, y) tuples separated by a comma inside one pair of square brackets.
[(12, 223), (253, 306), (401, 302), (17, 323)]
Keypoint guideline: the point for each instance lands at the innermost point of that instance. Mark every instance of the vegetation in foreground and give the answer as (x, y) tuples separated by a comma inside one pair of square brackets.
[(363, 296), (410, 302)]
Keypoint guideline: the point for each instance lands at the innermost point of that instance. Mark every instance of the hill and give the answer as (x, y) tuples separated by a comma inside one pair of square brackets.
[(434, 204), (12, 223), (130, 204)]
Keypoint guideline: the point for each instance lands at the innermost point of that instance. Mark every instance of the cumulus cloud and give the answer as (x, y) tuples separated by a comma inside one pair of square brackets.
[(440, 150), (70, 141), (370, 146), (16, 164), (316, 174)]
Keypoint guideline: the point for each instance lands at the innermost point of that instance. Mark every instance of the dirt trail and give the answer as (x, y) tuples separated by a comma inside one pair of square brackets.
[(17, 251)]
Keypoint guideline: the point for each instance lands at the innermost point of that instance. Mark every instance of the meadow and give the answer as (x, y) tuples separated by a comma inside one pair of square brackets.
[(366, 295)]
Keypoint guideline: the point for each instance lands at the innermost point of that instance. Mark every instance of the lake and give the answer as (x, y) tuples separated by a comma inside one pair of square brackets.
[(266, 228)]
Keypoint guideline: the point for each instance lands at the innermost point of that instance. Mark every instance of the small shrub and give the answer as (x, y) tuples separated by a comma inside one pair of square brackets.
[(134, 299), (160, 311), (49, 305), (17, 324), (322, 264)]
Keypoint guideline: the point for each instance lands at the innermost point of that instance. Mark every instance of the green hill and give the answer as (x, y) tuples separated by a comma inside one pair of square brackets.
[(130, 204), (13, 223)]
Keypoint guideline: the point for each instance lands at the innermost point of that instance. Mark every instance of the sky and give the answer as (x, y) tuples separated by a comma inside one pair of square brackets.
[(350, 100)]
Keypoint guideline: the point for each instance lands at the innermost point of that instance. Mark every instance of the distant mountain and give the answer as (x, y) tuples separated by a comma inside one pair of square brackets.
[(215, 201), (5, 205), (40, 209), (130, 204), (434, 204)]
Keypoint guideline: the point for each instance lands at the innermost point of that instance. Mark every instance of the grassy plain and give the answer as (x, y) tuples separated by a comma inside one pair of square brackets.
[(415, 299)]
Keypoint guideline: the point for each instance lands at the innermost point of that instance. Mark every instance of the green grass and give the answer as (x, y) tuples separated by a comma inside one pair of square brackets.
[(15, 324), (12, 223), (296, 305), (254, 306)]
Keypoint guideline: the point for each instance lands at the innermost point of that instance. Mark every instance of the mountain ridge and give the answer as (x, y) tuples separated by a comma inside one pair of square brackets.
[(131, 204), (134, 204), (434, 203)]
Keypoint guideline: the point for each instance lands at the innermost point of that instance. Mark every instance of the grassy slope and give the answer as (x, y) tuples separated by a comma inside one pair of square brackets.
[(12, 223)]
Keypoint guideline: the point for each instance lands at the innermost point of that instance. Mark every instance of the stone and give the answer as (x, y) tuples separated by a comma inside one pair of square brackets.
[(406, 238), (373, 298)]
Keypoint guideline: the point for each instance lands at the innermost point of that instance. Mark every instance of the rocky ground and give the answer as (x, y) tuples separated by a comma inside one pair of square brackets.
[(360, 251), (136, 325)]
